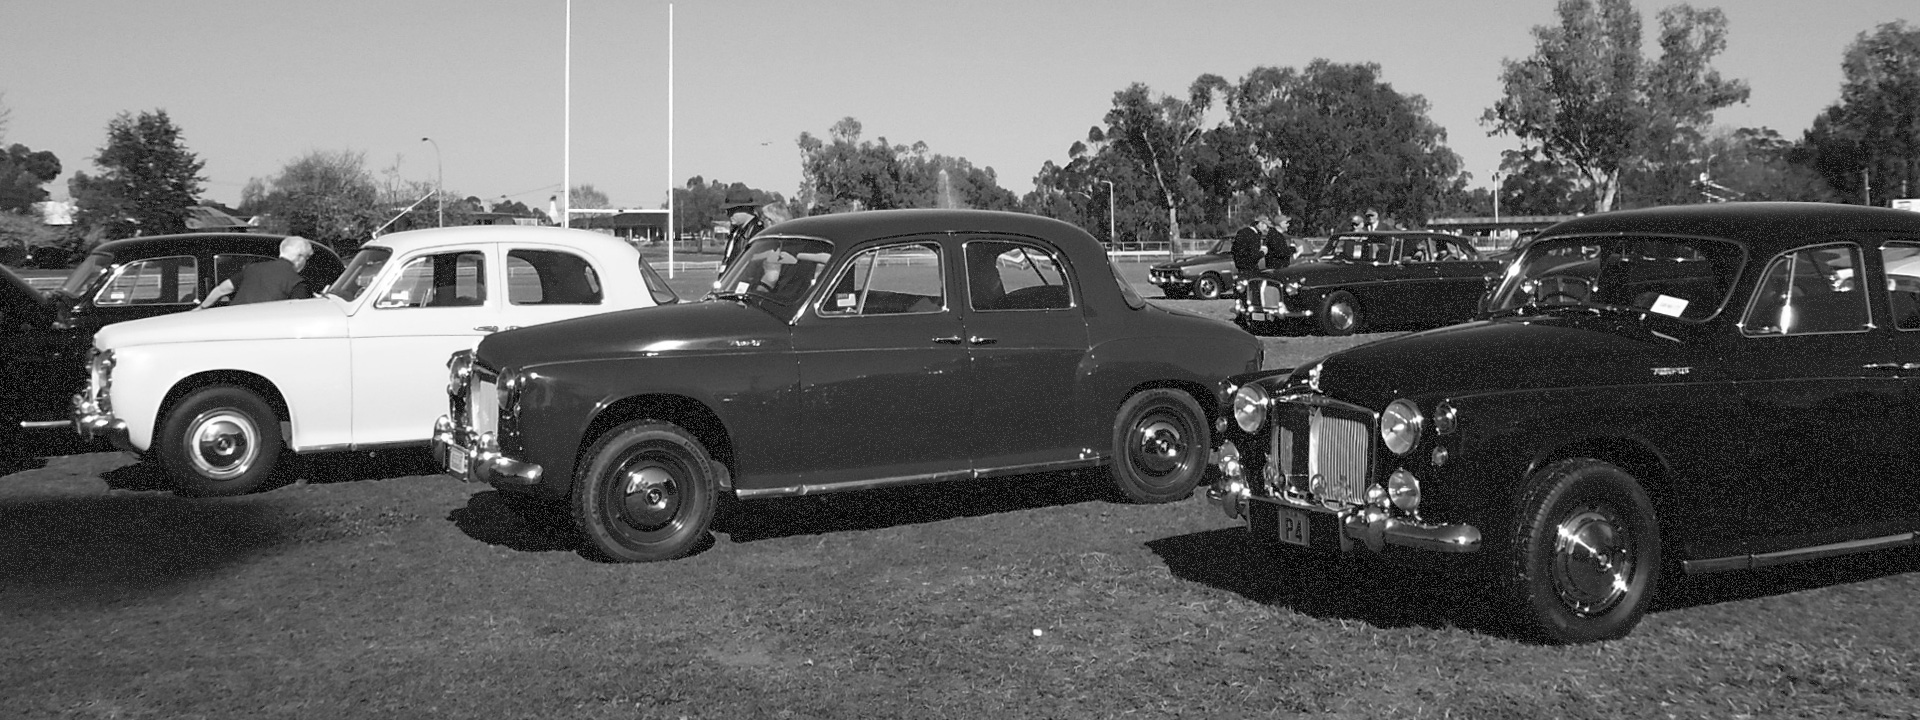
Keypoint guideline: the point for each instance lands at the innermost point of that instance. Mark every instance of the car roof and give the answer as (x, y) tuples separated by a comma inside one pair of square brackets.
[(853, 227), (1767, 227), (412, 240), (151, 245)]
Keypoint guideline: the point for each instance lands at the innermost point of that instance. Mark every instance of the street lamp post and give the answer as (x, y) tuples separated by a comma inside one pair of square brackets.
[(1496, 196), (439, 185), (1111, 240)]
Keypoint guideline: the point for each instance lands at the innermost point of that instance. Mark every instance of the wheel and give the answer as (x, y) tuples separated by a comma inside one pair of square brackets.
[(1207, 287), (1160, 446), (646, 492), (220, 440), (1585, 556), (1339, 315)]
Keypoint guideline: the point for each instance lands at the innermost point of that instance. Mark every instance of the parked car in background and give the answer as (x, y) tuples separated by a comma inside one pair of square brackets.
[(845, 352), (1703, 388), (43, 361), (1207, 275), (216, 396), (1357, 280)]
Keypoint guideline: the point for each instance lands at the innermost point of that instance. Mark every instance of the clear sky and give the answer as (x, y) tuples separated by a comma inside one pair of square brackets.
[(1006, 84)]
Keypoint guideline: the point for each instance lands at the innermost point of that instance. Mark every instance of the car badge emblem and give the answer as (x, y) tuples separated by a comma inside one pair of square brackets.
[(1313, 378), (745, 343), (1666, 371)]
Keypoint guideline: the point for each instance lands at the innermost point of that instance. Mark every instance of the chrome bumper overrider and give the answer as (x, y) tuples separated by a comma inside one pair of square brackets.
[(1371, 526), (91, 423), (478, 459)]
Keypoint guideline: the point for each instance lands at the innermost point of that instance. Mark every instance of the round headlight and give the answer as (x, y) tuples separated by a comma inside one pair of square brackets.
[(1404, 489), (1250, 404), (1400, 426)]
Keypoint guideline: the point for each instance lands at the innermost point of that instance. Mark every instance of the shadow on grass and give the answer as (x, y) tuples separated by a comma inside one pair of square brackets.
[(323, 468), (63, 552), (1377, 592), (515, 523)]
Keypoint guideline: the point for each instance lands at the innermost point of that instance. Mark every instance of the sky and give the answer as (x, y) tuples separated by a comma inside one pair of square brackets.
[(655, 93)]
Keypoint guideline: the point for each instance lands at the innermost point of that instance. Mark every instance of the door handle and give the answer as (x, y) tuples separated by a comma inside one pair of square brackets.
[(1891, 366), (950, 340), (977, 340)]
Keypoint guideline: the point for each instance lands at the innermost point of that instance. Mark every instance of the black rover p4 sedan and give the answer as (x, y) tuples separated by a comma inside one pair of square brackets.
[(845, 352), (1654, 393)]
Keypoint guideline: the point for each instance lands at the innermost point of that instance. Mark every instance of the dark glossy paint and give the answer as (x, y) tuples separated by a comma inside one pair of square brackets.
[(1176, 278), (1748, 445), (1396, 291), (45, 360), (786, 398)]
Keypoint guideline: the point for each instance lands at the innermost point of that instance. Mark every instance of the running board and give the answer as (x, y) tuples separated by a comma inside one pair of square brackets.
[(1783, 557)]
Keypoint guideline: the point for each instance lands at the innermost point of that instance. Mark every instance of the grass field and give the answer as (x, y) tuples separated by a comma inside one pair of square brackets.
[(372, 587)]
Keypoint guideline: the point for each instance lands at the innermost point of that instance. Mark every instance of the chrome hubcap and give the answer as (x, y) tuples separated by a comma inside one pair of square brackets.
[(1342, 315), (1592, 562), (223, 444), (651, 497), (1159, 446)]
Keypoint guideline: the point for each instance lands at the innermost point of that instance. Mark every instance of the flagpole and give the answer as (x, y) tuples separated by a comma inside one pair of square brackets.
[(673, 234), (566, 128)]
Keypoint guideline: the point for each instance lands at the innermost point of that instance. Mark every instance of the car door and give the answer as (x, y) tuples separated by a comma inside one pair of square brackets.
[(1027, 338), (548, 284), (1820, 411), (426, 306), (147, 288), (883, 371), (1462, 279)]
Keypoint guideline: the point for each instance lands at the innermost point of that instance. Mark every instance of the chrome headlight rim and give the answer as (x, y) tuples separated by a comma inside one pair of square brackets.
[(1251, 403), (1403, 490), (1401, 426), (459, 370), (1446, 418)]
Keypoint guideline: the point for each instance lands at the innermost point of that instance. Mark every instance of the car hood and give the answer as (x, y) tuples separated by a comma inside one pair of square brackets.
[(16, 296), (1503, 355), (321, 317), (1205, 259), (716, 326)]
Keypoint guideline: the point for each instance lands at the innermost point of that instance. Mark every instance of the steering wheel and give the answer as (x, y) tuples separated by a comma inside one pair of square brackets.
[(1562, 290)]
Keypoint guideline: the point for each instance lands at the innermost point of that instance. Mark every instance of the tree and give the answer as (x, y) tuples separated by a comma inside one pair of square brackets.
[(147, 182), (327, 196), (1587, 100), (844, 172), (587, 197), (1332, 139), (1157, 134), (1867, 145), (22, 172)]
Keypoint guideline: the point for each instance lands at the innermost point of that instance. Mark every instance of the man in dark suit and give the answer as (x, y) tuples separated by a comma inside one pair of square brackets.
[(1279, 248), (1248, 245), (276, 279)]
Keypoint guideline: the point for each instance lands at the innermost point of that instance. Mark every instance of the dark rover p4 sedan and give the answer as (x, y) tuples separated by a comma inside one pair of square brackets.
[(1696, 389), (845, 352)]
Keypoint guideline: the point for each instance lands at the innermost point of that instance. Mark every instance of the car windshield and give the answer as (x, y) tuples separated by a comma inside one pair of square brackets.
[(1685, 278), (360, 273), (1224, 247), (84, 275), (779, 269), (1358, 248)]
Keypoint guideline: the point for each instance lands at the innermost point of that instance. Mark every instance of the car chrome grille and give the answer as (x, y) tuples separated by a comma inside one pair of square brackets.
[(1338, 457), (483, 405), (1269, 294)]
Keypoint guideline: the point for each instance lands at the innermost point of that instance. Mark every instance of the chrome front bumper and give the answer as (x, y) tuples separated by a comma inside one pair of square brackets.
[(1372, 525), (92, 423), (478, 459)]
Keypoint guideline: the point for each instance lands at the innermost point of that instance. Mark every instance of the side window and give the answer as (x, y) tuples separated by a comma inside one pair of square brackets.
[(1003, 275), (891, 280), (154, 281), (451, 279), (548, 277), (1903, 283), (228, 266), (1415, 250), (1810, 290)]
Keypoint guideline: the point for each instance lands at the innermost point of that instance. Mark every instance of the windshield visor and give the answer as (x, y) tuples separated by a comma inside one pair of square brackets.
[(780, 269), (360, 273), (1685, 278)]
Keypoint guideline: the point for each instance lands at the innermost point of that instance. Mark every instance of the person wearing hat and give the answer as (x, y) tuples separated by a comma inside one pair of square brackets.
[(1279, 247), (1249, 244), (744, 220)]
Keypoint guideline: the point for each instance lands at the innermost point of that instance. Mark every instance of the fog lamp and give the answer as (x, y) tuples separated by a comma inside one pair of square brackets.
[(1404, 489)]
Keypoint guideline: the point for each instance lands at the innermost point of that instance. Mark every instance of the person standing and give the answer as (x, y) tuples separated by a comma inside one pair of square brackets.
[(276, 279), (1248, 245), (743, 222), (1279, 247)]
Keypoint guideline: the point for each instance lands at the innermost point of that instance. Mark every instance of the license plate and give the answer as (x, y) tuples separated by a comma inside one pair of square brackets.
[(1293, 527), (1258, 315), (457, 461)]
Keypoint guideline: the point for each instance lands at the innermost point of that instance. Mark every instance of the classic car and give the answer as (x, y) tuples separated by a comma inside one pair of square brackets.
[(1207, 275), (1358, 280), (1701, 389), (845, 352), (216, 396), (45, 353)]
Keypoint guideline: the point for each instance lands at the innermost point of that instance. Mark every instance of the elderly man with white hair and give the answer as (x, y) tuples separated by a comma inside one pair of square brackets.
[(276, 279)]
